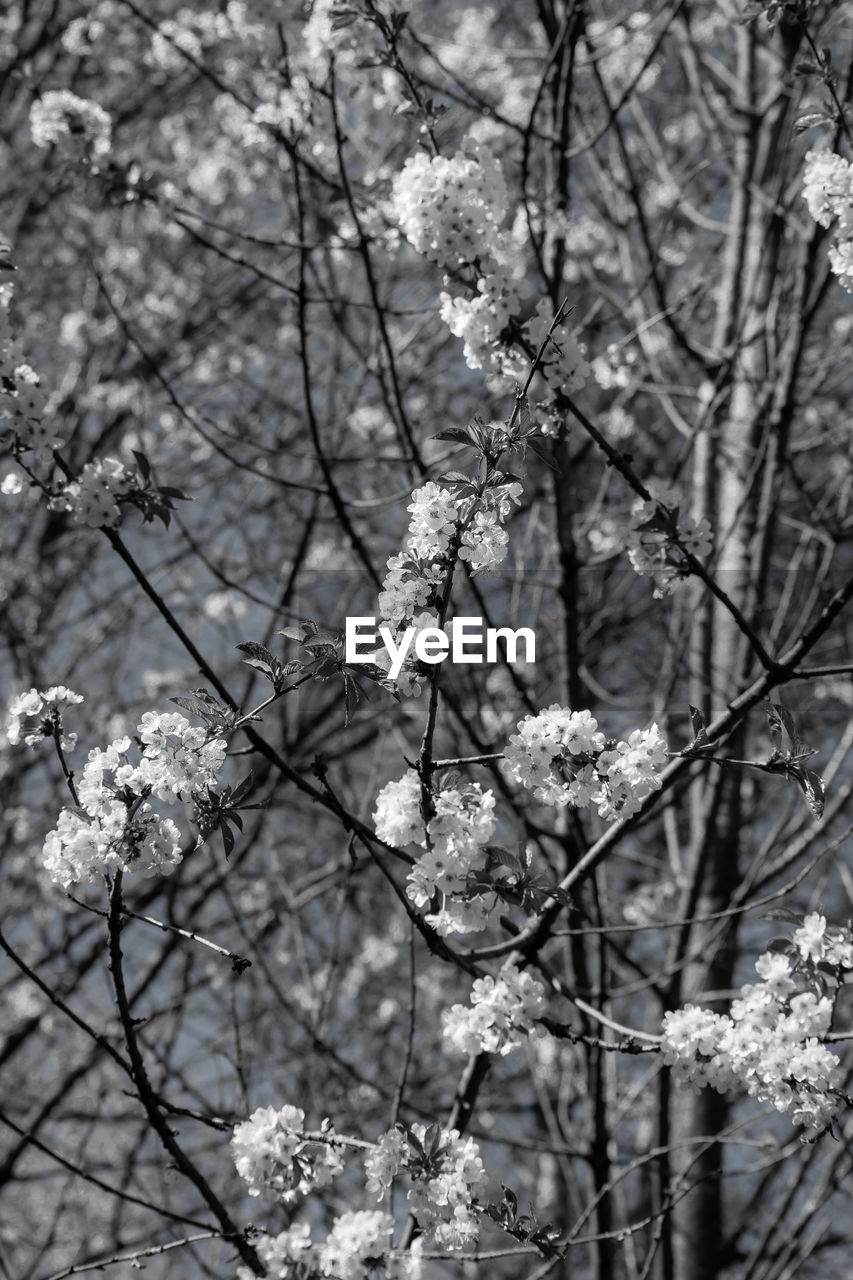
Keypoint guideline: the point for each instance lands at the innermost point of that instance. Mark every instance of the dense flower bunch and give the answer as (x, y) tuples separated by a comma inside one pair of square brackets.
[(36, 714), (22, 400), (385, 1161), (446, 1173), (817, 943), (272, 1154), (652, 549), (76, 124), (92, 498), (356, 1246), (451, 210), (439, 522), (501, 1008), (113, 827), (355, 1238), (433, 523), (397, 816), (769, 1045), (562, 757), (462, 823), (484, 541), (283, 1255), (828, 192)]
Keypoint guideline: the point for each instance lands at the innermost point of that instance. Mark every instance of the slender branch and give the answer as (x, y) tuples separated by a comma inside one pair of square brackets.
[(149, 1100)]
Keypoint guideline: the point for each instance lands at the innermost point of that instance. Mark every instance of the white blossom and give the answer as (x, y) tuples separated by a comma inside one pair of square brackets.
[(451, 209), (113, 826), (501, 1008), (442, 1197), (397, 816), (36, 715), (59, 116), (828, 192), (384, 1161), (92, 499), (770, 1043), (272, 1154), (354, 1238), (463, 820), (439, 522), (560, 756)]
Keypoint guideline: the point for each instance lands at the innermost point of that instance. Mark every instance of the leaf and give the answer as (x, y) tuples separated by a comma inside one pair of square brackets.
[(205, 706), (456, 434), (227, 838), (321, 640), (497, 856), (781, 722), (432, 1139), (414, 1143), (546, 1238), (243, 788), (344, 18), (510, 1198), (813, 788), (258, 651), (811, 120), (143, 464), (700, 736), (541, 453), (192, 705), (780, 946), (263, 667), (785, 915), (291, 633)]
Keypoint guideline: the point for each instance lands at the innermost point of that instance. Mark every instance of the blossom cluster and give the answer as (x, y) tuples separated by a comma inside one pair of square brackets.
[(770, 1043), (818, 943), (652, 549), (36, 714), (272, 1154), (92, 499), (463, 821), (563, 758), (439, 522), (22, 400), (357, 1243), (77, 125), (446, 1175), (451, 209), (828, 192), (501, 1009), (113, 825)]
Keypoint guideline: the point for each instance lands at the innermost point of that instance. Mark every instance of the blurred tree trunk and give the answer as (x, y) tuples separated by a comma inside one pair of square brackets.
[(731, 459)]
